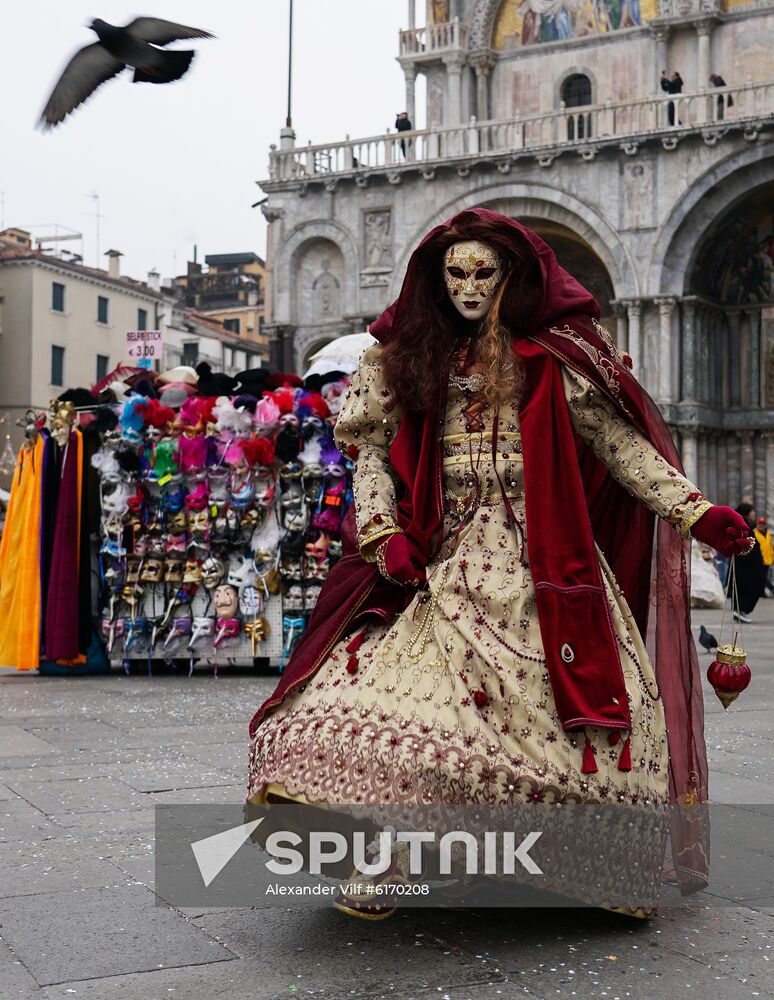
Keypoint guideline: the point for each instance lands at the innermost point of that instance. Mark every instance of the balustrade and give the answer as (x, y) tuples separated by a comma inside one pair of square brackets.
[(582, 127)]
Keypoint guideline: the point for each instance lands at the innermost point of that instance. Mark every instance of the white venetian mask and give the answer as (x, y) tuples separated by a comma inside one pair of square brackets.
[(472, 271)]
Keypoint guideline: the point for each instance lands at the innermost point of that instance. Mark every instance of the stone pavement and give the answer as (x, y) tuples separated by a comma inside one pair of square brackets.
[(83, 761)]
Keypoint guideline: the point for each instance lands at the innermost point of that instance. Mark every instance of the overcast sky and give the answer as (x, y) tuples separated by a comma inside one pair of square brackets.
[(176, 165)]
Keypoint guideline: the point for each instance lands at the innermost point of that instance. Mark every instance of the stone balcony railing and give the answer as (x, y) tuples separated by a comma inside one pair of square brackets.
[(434, 40), (586, 129)]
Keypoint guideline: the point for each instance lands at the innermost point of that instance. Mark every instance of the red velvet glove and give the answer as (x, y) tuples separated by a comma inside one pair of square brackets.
[(725, 530), (399, 559)]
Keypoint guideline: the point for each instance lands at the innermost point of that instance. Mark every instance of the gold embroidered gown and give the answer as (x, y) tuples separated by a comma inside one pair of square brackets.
[(451, 701)]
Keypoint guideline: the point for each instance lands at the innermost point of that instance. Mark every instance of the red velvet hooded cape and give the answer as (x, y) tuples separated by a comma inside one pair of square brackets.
[(571, 502)]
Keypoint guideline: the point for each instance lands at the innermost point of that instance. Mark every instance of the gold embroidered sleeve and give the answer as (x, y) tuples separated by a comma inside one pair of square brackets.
[(630, 457), (366, 426)]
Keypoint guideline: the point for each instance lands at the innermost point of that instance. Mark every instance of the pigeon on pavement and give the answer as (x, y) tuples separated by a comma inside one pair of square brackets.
[(707, 639), (134, 45)]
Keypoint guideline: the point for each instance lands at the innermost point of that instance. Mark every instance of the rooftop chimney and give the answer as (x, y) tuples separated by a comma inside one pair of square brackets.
[(154, 280), (114, 264)]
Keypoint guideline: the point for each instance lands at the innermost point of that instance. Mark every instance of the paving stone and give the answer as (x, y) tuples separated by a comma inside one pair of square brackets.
[(20, 821), (371, 957), (218, 794), (78, 735), (78, 795), (15, 981), (102, 932), (169, 775), (17, 742), (36, 877), (231, 757)]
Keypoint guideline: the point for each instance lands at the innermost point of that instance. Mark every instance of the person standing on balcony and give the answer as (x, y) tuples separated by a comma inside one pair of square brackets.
[(723, 99), (403, 124), (672, 85)]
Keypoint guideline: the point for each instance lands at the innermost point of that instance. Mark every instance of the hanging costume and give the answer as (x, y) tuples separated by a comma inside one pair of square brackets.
[(521, 674), (20, 555)]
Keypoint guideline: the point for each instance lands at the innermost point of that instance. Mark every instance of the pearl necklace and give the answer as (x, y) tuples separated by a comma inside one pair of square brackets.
[(468, 383)]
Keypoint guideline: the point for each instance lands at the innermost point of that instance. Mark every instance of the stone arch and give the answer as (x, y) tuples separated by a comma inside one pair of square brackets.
[(312, 340), (536, 200), (565, 75), (482, 20), (318, 268), (292, 250), (712, 195)]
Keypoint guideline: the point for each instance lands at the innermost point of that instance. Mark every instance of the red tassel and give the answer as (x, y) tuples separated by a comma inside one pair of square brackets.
[(589, 759), (613, 737), (625, 760), (352, 664), (356, 642)]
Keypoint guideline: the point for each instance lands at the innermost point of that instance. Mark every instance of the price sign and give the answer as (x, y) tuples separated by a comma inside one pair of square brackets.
[(144, 346)]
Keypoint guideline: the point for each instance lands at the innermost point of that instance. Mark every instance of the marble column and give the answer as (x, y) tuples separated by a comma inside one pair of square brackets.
[(453, 111), (733, 469), (760, 457), (482, 63), (634, 313), (722, 477), (688, 352), (769, 439), (702, 464), (689, 455), (410, 75), (755, 357), (661, 36), (734, 348), (275, 346), (412, 13), (746, 466), (621, 327), (664, 380), (704, 32)]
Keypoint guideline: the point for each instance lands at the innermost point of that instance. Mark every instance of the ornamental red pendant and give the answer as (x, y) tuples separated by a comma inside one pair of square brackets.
[(729, 674)]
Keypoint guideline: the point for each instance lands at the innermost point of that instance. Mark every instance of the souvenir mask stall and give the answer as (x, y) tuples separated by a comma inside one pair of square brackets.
[(218, 513)]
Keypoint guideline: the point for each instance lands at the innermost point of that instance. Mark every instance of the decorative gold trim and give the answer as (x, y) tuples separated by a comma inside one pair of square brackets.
[(688, 520), (368, 545)]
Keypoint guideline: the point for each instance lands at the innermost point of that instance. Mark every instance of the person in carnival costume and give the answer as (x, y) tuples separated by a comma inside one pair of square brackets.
[(520, 527)]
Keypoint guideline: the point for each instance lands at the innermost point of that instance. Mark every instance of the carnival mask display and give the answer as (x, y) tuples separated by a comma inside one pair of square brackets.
[(212, 572), (202, 628), (62, 420), (174, 570), (152, 571), (193, 571), (472, 271), (226, 601)]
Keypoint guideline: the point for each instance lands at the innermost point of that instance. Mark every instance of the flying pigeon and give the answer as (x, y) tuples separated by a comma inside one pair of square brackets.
[(134, 45), (707, 640)]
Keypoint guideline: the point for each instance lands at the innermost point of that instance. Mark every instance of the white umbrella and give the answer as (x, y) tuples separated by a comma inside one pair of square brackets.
[(340, 355)]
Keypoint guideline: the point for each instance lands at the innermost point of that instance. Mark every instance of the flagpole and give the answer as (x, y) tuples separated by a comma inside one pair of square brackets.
[(289, 120)]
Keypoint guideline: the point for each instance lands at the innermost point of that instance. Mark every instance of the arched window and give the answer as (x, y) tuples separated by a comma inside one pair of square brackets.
[(576, 91)]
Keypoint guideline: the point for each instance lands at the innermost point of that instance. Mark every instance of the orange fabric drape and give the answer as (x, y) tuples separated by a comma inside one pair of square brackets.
[(20, 564)]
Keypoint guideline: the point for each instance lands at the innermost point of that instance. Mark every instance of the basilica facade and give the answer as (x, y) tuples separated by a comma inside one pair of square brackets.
[(636, 136)]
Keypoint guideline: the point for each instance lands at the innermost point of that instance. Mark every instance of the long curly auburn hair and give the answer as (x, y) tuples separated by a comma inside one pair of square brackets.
[(414, 361)]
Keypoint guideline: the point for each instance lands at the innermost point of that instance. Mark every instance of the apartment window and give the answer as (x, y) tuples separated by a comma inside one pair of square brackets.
[(102, 366), (142, 319), (232, 325), (57, 365), (57, 297), (102, 309), (190, 353)]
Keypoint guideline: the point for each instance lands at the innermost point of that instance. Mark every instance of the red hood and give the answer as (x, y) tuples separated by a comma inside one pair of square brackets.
[(563, 296)]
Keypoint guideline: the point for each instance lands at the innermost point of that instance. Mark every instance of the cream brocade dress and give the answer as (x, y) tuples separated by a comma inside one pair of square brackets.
[(451, 701)]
